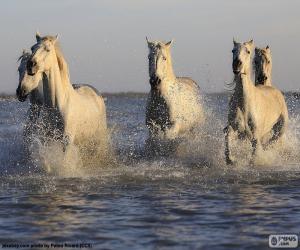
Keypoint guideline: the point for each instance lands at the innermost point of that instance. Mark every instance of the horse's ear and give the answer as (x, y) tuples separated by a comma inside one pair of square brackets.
[(256, 49), (250, 42), (38, 36), (234, 41), (168, 44), (268, 47), (55, 39), (148, 42)]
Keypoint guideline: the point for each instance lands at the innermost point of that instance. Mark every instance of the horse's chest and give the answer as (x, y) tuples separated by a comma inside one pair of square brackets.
[(237, 114), (53, 125), (158, 111)]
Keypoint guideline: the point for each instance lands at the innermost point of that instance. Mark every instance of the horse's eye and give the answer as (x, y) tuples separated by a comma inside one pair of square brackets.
[(164, 58), (248, 51), (233, 51), (268, 61)]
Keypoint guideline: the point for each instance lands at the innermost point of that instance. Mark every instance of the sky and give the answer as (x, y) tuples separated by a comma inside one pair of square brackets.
[(104, 40)]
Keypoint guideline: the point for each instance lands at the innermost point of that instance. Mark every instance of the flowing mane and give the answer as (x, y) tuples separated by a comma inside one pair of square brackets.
[(62, 64), (25, 55)]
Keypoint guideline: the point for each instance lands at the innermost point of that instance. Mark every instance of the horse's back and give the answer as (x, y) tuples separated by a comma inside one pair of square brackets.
[(272, 94), (273, 101), (88, 94), (187, 103), (88, 91), (188, 82), (86, 87)]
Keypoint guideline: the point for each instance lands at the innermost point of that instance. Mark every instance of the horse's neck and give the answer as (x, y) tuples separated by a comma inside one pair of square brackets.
[(244, 86), (166, 86), (56, 89), (256, 73), (268, 82), (169, 79), (35, 96), (170, 76)]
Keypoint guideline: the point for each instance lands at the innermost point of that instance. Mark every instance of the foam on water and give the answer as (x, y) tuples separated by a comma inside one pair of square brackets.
[(202, 153)]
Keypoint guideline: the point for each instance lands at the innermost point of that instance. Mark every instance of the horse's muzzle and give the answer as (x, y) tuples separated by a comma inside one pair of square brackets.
[(236, 66), (154, 81), (262, 78), (21, 94)]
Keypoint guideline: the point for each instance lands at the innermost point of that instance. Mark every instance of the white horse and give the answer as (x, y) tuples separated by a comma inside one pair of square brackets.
[(74, 116), (254, 111), (263, 66), (36, 98), (174, 107)]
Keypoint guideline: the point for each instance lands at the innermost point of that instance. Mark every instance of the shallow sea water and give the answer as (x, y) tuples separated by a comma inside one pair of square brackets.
[(190, 200)]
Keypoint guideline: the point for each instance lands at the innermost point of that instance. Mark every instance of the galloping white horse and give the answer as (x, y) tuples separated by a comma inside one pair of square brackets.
[(78, 116), (254, 111), (36, 98), (174, 107), (263, 66)]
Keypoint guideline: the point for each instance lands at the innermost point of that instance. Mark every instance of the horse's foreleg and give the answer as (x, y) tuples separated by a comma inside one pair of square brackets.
[(65, 142), (278, 130), (228, 139), (256, 148)]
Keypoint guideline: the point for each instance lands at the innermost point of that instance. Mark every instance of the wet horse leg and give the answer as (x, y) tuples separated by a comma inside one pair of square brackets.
[(228, 139)]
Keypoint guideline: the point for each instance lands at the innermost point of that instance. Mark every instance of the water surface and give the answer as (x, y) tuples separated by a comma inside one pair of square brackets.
[(187, 201)]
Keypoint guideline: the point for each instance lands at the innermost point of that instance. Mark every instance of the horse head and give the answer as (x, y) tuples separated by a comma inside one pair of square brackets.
[(241, 57), (160, 61), (262, 64)]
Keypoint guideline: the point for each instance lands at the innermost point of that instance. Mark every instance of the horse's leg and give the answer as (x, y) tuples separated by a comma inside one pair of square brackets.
[(256, 148), (278, 130), (150, 141), (228, 139)]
